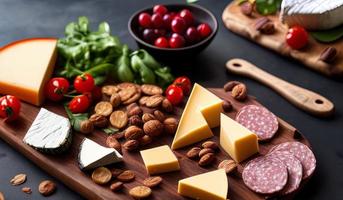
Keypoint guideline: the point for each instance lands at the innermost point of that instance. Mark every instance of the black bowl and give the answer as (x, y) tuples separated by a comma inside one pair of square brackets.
[(200, 14)]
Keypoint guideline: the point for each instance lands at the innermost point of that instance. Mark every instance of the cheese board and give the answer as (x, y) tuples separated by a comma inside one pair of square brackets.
[(65, 166), (244, 25)]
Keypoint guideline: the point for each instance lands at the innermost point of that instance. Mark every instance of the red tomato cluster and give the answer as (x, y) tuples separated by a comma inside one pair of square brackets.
[(167, 29), (176, 91), (57, 89), (9, 108)]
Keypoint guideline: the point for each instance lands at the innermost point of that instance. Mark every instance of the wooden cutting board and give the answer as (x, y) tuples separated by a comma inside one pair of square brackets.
[(243, 25), (65, 167)]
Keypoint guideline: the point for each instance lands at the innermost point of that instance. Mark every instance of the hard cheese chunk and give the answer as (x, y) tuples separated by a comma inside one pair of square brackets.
[(159, 160), (236, 140), (202, 112), (25, 66), (208, 186)]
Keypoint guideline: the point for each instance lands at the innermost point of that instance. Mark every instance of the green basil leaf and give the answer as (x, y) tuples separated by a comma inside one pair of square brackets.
[(327, 36), (268, 7), (110, 130), (104, 28)]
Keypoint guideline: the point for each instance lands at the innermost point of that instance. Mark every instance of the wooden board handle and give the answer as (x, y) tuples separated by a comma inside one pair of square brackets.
[(307, 100)]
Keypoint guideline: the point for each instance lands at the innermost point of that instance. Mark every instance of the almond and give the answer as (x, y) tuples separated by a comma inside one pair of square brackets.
[(18, 179), (46, 188)]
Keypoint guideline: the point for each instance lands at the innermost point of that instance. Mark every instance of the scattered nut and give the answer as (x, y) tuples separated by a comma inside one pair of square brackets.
[(147, 117), (18, 179), (26, 190), (86, 126), (112, 142), (115, 100), (47, 188), (127, 93), (101, 175), (328, 55), (159, 115), (193, 153), (99, 120), (131, 145), (170, 125), (142, 100), (152, 181), (145, 140), (153, 128), (205, 151), (135, 120), (2, 196), (265, 25), (118, 119), (116, 186), (115, 172), (210, 144), (133, 133), (134, 111), (227, 106), (247, 8), (229, 85), (109, 90), (151, 89), (103, 108), (131, 106), (206, 159), (228, 165), (119, 135), (239, 92), (140, 192), (126, 176), (154, 101), (167, 105)]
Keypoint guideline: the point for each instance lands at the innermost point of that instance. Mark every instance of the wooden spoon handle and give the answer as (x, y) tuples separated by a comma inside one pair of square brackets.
[(302, 98)]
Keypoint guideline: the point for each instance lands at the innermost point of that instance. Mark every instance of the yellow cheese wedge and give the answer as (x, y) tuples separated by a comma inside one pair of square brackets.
[(159, 160), (236, 140), (202, 112), (208, 186), (25, 66)]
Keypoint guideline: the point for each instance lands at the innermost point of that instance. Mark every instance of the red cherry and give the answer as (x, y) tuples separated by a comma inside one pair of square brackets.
[(178, 25), (160, 9), (161, 42), (157, 20), (149, 35), (187, 16), (174, 94), (167, 18), (297, 37), (192, 35), (176, 41), (204, 30), (144, 20)]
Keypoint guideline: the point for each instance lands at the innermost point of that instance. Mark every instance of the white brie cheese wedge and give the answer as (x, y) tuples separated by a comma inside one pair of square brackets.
[(312, 14), (49, 133), (94, 155)]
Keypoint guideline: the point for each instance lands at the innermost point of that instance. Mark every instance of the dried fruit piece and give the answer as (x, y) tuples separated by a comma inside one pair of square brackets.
[(154, 101), (147, 117), (170, 125), (153, 128), (145, 140), (47, 187), (116, 186), (239, 92), (159, 115), (112, 142), (227, 165), (109, 90), (26, 190), (126, 176), (115, 100), (101, 175), (18, 179), (131, 145), (152, 181), (193, 153), (210, 144), (207, 159), (103, 108), (205, 151), (140, 192), (99, 120), (133, 133), (115, 172), (118, 119), (151, 89)]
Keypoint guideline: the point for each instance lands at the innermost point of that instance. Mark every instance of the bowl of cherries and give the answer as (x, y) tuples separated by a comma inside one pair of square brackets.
[(173, 32)]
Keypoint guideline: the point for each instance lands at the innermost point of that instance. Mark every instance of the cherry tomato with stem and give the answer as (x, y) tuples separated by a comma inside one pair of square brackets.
[(84, 83), (79, 104), (9, 107), (56, 88), (174, 94), (184, 83), (297, 37)]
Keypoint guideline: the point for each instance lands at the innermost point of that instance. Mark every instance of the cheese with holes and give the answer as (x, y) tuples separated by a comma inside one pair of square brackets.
[(202, 112), (208, 186), (160, 160), (25, 67), (236, 140)]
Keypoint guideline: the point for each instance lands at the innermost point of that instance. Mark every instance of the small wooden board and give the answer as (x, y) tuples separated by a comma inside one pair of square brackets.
[(65, 167), (243, 25)]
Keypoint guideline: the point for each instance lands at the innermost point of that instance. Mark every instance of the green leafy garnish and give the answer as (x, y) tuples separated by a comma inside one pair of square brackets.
[(110, 130), (268, 7), (328, 35)]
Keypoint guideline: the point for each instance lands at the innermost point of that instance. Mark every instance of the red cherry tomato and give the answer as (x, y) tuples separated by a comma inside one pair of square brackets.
[(187, 16), (192, 35), (144, 19), (161, 42), (204, 30), (157, 20), (184, 83), (84, 83), (178, 25), (56, 88), (79, 104), (174, 94), (167, 18), (160, 9), (9, 107), (297, 37), (176, 41)]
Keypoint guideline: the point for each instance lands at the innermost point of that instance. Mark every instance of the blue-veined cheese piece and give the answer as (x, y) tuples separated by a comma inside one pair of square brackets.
[(312, 14), (92, 155), (49, 133)]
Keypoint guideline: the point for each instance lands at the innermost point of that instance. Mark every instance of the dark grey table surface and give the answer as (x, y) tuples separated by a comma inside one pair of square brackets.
[(41, 18)]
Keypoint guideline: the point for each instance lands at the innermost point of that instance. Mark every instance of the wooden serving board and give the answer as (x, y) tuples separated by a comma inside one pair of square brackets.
[(243, 25), (65, 167)]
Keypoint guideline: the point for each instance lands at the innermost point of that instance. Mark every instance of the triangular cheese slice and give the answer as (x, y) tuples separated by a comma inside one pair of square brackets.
[(208, 186), (202, 112), (94, 155)]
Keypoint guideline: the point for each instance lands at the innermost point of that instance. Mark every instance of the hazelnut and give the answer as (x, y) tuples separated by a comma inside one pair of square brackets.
[(147, 117), (86, 126), (115, 100), (159, 115), (99, 120), (170, 125), (239, 92), (135, 120), (133, 133), (153, 128), (167, 105)]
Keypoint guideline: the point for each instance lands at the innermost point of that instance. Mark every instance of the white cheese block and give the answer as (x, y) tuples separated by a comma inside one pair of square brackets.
[(49, 132), (94, 155), (312, 14)]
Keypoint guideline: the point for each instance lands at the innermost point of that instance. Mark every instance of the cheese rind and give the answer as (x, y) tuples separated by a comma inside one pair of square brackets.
[(160, 160), (202, 112), (26, 66), (207, 186), (236, 140)]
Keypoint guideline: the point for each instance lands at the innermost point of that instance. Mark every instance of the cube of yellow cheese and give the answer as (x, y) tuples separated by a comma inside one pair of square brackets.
[(236, 140), (202, 112), (208, 186), (159, 160)]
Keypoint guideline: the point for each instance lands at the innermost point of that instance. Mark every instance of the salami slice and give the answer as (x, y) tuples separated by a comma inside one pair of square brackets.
[(258, 120), (265, 175), (294, 167), (302, 153)]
